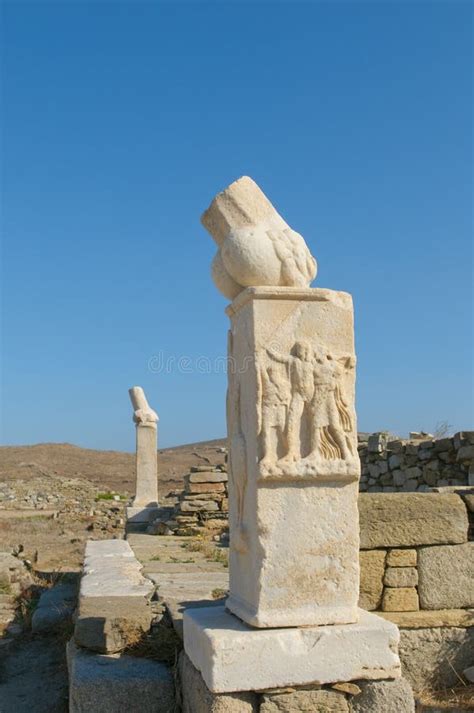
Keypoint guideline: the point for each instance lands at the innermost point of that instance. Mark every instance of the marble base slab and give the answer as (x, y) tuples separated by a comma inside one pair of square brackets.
[(142, 513), (233, 656)]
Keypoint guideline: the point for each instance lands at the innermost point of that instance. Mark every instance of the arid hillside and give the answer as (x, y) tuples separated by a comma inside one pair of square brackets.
[(107, 470)]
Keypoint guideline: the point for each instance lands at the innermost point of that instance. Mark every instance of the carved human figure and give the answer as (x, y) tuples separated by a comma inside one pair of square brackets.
[(301, 377), (331, 421), (274, 395)]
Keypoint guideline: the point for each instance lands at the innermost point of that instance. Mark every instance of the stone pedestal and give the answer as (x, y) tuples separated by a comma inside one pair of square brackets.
[(145, 502), (233, 656), (292, 616), (147, 466), (293, 458)]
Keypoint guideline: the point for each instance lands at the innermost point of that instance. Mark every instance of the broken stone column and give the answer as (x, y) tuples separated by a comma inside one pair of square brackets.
[(145, 502), (291, 617)]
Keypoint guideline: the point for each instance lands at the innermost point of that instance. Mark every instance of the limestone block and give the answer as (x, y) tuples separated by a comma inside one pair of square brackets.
[(400, 599), (424, 618), (372, 565), (118, 684), (198, 505), (205, 488), (401, 577), (197, 698), (401, 558), (208, 477), (407, 520), (256, 246), (446, 576), (113, 598), (112, 570), (384, 697), (111, 624), (232, 655), (377, 442), (55, 606), (321, 701), (293, 458), (435, 657), (395, 446)]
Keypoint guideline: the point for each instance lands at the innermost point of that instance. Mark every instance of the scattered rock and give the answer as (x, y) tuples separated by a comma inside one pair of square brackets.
[(384, 697), (55, 606)]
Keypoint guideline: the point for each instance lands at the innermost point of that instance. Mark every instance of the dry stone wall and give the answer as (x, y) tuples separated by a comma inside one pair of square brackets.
[(396, 465), (204, 501), (416, 556)]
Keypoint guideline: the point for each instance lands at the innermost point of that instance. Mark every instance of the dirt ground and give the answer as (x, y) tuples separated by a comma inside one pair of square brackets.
[(33, 676), (53, 497)]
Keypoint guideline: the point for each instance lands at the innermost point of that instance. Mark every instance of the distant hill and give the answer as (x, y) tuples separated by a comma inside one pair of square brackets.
[(108, 470)]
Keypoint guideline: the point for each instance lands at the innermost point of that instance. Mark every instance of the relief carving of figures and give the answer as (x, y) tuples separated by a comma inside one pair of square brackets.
[(305, 417), (331, 420), (274, 394)]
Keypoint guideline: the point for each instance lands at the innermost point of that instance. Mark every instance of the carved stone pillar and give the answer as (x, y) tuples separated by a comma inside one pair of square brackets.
[(294, 467), (145, 502), (291, 617)]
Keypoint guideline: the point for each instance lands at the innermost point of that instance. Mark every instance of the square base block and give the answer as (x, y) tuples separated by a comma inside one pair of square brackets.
[(233, 656), (142, 513)]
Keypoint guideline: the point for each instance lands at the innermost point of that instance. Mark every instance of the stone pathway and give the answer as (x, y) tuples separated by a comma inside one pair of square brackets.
[(182, 576)]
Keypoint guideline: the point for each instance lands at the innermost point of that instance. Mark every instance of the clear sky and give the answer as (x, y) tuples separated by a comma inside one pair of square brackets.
[(121, 120)]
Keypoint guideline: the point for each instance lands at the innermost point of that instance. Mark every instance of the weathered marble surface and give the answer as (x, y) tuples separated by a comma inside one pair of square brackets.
[(146, 493), (293, 463), (256, 246), (233, 656)]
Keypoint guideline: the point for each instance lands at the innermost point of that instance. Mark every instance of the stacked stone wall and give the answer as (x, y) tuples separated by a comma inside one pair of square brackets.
[(417, 570), (396, 465), (203, 503)]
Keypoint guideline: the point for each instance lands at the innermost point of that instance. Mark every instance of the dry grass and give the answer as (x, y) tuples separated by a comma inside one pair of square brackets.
[(161, 644), (459, 697), (27, 600), (211, 551)]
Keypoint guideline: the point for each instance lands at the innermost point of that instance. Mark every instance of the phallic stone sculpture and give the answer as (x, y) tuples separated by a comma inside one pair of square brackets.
[(293, 469), (145, 502), (256, 246)]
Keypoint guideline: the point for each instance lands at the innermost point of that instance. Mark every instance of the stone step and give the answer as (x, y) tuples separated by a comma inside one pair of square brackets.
[(114, 608), (121, 684)]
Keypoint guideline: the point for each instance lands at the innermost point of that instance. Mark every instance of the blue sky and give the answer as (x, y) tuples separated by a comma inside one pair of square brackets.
[(121, 120)]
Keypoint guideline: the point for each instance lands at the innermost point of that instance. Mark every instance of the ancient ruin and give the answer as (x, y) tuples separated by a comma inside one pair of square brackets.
[(145, 502), (293, 468)]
